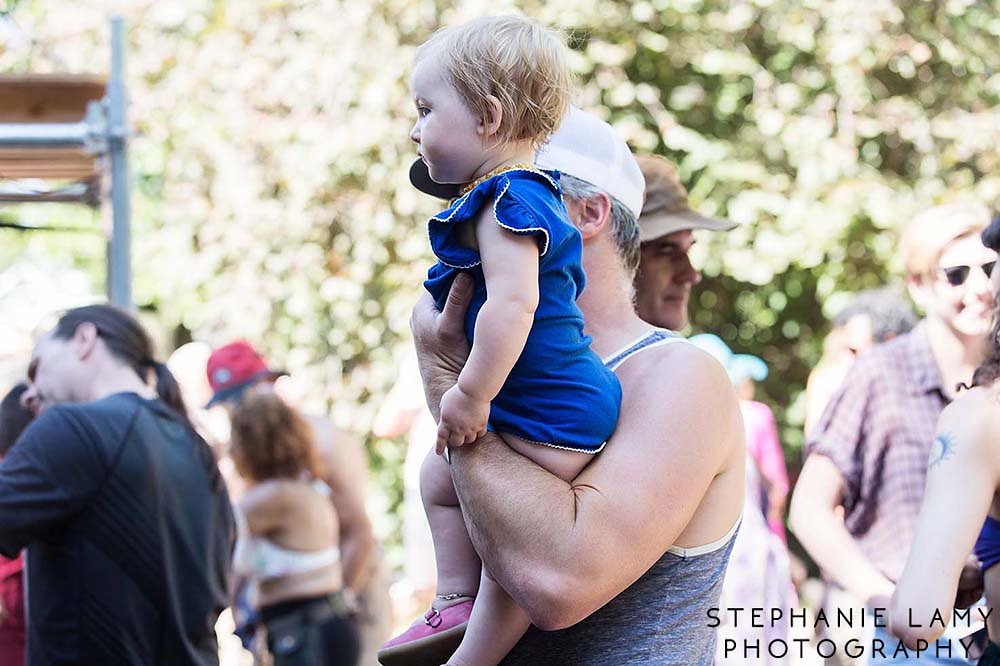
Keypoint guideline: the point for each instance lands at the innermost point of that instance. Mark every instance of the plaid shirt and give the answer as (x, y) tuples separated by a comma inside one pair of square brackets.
[(878, 430)]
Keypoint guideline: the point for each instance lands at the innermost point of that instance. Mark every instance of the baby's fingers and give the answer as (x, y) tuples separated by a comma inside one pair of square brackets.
[(456, 439), (442, 439)]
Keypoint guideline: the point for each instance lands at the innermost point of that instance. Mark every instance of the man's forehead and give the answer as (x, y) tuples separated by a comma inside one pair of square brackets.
[(966, 248), (682, 240), (43, 341)]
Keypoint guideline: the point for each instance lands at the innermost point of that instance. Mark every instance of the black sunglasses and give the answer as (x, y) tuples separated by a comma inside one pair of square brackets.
[(957, 275)]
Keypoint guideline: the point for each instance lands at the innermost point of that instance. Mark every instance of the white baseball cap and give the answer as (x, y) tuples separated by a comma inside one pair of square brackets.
[(588, 148), (584, 147)]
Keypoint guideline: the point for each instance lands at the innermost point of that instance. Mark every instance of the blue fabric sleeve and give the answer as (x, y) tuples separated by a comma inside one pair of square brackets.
[(524, 209), (522, 202), (50, 474)]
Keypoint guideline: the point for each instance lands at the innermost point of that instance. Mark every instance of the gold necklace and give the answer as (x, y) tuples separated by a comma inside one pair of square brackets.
[(465, 189)]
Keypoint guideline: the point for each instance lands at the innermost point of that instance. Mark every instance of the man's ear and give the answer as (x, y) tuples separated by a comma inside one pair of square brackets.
[(591, 215), (919, 288), (490, 123), (85, 340)]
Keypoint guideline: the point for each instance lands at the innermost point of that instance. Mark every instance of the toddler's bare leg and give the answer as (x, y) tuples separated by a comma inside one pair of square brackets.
[(497, 622), (567, 465), (496, 625), (458, 564)]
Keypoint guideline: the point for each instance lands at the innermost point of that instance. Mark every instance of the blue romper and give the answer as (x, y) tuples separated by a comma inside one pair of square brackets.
[(559, 393)]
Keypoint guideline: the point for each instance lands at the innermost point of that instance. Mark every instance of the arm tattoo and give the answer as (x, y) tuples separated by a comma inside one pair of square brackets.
[(942, 449)]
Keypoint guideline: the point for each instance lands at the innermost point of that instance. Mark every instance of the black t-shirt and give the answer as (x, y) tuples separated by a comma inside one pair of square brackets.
[(129, 535)]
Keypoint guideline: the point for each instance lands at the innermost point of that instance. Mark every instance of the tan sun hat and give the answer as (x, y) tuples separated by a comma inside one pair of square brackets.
[(665, 209)]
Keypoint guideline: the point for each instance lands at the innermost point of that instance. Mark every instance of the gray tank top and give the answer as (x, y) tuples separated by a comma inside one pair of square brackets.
[(661, 618)]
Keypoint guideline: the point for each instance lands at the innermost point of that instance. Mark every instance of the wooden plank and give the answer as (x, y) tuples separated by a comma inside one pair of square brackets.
[(47, 98), (48, 164), (45, 172), (36, 154)]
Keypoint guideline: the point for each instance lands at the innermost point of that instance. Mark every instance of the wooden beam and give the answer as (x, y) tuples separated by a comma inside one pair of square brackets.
[(48, 165), (47, 98)]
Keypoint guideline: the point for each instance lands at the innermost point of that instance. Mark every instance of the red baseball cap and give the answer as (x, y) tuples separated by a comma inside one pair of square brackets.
[(234, 367)]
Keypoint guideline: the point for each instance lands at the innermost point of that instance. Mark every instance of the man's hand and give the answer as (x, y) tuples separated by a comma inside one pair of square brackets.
[(442, 348), (463, 419), (816, 518)]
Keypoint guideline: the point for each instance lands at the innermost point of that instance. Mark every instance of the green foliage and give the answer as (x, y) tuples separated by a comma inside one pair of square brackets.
[(820, 127), (271, 198)]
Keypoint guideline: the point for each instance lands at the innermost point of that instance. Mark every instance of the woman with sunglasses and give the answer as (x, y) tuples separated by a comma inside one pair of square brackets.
[(961, 509)]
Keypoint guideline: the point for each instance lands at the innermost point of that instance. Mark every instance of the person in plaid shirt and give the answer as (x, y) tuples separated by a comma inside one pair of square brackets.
[(868, 453)]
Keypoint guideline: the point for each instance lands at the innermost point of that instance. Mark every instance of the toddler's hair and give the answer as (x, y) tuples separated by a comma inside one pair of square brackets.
[(514, 59)]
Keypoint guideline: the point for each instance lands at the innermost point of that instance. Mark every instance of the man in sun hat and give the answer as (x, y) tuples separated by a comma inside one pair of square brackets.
[(665, 277), (236, 368), (621, 565)]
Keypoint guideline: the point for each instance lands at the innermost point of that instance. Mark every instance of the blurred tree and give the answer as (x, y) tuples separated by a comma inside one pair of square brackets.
[(271, 198)]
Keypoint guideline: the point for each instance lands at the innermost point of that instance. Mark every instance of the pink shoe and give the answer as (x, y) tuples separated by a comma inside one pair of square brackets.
[(432, 641)]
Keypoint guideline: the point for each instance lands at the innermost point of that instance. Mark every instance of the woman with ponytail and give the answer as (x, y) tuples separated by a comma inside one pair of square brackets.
[(127, 524), (961, 509)]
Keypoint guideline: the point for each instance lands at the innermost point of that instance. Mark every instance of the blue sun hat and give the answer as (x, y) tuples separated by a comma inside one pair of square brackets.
[(739, 367)]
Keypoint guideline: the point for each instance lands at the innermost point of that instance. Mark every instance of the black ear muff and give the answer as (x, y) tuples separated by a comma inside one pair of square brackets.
[(420, 177)]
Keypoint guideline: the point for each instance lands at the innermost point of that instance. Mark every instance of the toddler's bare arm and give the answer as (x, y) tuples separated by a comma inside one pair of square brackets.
[(510, 268)]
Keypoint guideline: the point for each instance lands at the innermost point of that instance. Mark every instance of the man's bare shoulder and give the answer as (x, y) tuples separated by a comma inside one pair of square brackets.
[(678, 445), (341, 456), (674, 367), (329, 439), (677, 387)]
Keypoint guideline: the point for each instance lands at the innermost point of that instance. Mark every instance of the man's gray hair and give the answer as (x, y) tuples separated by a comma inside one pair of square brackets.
[(624, 226), (887, 309)]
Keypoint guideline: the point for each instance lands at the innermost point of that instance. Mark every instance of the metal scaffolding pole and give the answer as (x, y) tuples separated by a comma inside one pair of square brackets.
[(120, 252), (104, 131), (43, 135)]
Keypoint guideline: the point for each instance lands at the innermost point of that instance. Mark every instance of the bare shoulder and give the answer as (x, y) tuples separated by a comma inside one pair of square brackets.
[(973, 417), (678, 446), (267, 495), (269, 489), (341, 457), (332, 443), (677, 372), (322, 428), (677, 389)]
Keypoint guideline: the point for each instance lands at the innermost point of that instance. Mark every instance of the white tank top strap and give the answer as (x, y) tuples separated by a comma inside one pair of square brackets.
[(242, 527), (243, 556), (655, 338), (320, 486), (708, 547)]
